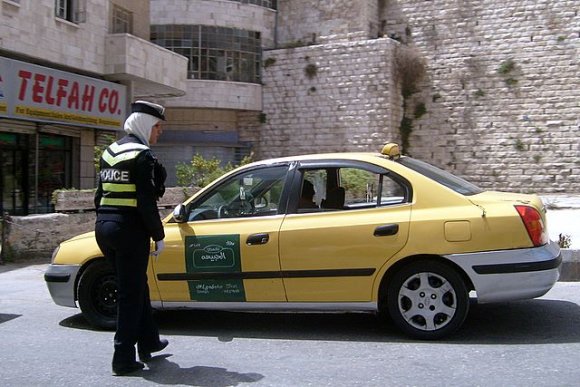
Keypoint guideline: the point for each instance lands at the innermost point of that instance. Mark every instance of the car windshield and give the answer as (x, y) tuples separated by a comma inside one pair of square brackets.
[(447, 179)]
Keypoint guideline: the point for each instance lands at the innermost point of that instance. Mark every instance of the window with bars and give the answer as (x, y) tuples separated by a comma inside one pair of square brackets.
[(71, 10), (262, 3), (217, 53), (122, 21)]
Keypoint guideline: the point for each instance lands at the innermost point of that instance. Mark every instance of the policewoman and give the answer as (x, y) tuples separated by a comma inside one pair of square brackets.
[(131, 180)]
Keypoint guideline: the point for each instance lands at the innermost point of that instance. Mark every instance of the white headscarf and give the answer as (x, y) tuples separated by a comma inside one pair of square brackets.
[(140, 125)]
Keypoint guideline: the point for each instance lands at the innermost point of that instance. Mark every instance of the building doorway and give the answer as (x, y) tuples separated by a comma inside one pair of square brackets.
[(13, 174)]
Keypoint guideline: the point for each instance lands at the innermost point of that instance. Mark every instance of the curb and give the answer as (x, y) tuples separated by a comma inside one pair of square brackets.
[(570, 269)]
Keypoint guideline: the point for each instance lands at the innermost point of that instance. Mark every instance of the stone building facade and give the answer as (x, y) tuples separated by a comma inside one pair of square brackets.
[(223, 40), (68, 71)]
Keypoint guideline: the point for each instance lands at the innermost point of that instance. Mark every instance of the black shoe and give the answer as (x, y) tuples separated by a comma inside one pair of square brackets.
[(127, 368), (146, 356)]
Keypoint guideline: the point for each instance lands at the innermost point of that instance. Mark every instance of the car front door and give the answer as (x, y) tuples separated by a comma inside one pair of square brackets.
[(226, 248), (333, 252)]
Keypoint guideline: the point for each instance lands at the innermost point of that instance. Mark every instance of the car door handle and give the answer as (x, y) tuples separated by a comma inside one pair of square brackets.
[(386, 230), (258, 239)]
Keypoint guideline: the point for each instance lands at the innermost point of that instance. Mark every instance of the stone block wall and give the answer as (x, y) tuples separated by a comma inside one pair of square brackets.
[(498, 105), (502, 93), (36, 236), (305, 21), (331, 97)]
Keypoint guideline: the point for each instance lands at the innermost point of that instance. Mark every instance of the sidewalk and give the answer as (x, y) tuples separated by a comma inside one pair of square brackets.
[(563, 217)]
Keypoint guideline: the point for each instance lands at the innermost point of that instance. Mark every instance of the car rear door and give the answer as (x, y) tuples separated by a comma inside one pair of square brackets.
[(333, 253), (227, 250)]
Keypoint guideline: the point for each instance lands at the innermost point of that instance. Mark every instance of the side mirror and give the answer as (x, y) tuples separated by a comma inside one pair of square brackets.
[(179, 214)]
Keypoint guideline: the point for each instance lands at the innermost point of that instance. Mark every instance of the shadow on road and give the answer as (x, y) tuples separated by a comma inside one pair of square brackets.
[(526, 322), (4, 317), (163, 371)]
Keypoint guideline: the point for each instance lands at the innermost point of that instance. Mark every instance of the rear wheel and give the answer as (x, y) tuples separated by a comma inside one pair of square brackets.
[(427, 300), (97, 295)]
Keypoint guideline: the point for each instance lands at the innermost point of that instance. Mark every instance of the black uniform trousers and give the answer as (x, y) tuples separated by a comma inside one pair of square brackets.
[(126, 247)]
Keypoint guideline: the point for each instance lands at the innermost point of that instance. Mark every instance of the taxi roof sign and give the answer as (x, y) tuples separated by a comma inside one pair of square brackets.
[(391, 150)]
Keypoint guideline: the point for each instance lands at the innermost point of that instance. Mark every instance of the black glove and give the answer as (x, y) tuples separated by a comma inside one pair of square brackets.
[(159, 176)]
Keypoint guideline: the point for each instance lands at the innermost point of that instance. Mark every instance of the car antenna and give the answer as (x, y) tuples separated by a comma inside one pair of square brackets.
[(484, 213)]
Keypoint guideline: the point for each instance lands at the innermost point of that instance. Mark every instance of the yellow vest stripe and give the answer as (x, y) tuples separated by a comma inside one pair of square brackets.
[(117, 153), (114, 187), (113, 160), (118, 202), (127, 146)]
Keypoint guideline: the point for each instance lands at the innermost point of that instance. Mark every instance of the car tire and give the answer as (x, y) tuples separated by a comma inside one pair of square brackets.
[(427, 300), (97, 295)]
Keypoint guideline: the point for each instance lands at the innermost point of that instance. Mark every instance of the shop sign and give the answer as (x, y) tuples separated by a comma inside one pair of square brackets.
[(39, 93)]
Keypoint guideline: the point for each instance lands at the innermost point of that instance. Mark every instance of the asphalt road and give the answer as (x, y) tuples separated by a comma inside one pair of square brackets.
[(535, 342)]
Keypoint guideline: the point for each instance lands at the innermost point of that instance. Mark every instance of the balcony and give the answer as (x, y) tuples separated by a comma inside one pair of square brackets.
[(153, 71)]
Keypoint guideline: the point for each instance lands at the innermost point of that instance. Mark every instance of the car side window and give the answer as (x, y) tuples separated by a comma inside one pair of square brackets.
[(313, 190), (365, 189), (252, 193), (339, 188)]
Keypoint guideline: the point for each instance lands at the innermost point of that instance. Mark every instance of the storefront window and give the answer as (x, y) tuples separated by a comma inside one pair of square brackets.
[(13, 174), (54, 169), (27, 179), (218, 53)]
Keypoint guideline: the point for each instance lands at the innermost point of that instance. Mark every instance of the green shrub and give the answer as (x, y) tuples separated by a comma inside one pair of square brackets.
[(311, 70), (420, 110), (519, 145), (200, 172), (269, 62), (564, 241), (506, 67)]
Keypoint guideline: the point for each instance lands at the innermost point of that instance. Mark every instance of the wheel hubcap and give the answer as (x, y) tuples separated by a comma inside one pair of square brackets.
[(106, 296), (427, 301)]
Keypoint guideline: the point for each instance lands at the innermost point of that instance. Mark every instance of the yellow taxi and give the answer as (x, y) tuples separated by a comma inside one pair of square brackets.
[(376, 232)]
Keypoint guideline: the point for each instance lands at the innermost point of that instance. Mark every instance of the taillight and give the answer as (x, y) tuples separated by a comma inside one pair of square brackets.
[(534, 224)]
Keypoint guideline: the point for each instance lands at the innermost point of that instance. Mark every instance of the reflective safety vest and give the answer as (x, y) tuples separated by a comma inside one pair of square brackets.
[(116, 175)]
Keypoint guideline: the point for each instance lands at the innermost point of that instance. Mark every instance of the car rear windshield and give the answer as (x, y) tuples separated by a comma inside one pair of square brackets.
[(450, 181)]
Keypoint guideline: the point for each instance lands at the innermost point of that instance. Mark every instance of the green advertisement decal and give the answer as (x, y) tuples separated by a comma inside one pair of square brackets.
[(214, 254)]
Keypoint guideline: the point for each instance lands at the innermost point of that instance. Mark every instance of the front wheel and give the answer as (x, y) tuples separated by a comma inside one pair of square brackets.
[(427, 300), (97, 295)]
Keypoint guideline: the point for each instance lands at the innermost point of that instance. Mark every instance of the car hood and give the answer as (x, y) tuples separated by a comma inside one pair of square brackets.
[(87, 235)]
